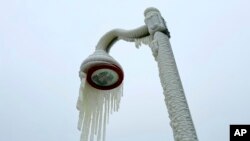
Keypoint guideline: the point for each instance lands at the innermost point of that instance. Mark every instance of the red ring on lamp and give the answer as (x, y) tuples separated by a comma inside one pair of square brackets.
[(113, 67)]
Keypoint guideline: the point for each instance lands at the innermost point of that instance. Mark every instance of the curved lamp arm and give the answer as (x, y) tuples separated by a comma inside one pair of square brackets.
[(110, 37)]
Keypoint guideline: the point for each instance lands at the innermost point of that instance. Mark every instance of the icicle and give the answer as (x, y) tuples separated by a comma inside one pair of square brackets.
[(148, 40), (144, 40), (92, 133), (94, 108)]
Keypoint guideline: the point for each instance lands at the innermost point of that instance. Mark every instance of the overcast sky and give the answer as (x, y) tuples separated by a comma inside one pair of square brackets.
[(43, 42)]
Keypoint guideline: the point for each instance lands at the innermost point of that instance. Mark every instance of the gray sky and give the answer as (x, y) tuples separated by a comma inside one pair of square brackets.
[(43, 42)]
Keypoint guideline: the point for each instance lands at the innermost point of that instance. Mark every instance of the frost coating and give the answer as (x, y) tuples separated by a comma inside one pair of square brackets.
[(94, 107), (180, 117)]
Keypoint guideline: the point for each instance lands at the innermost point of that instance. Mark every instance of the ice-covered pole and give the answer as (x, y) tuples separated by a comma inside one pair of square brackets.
[(179, 114)]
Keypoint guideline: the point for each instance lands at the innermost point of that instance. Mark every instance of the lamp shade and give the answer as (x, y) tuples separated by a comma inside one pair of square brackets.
[(105, 76), (102, 71)]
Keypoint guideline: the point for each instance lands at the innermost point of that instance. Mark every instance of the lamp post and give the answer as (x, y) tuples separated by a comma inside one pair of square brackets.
[(100, 73)]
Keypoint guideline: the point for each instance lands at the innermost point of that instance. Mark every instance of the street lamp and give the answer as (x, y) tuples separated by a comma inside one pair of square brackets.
[(102, 76)]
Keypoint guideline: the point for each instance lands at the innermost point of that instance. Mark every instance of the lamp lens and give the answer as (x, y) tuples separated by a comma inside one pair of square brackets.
[(104, 77)]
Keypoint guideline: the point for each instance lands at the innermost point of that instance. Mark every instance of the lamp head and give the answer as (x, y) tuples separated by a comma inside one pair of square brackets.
[(102, 71), (105, 76)]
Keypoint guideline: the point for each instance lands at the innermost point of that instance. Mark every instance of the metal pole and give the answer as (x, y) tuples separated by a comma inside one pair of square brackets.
[(179, 114)]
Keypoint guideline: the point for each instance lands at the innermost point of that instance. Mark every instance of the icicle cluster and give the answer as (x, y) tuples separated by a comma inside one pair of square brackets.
[(95, 106), (145, 40), (148, 40)]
